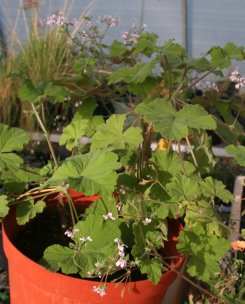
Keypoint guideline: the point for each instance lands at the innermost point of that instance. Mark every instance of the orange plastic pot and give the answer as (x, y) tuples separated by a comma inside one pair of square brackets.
[(30, 283)]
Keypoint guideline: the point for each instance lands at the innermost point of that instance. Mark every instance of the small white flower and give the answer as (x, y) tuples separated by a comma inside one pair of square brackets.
[(122, 189), (109, 216), (98, 265), (147, 220), (85, 239)]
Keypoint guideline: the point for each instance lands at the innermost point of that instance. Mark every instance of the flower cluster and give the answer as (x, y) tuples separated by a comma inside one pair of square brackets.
[(59, 20), (85, 239), (121, 262), (236, 77), (109, 21), (206, 86), (56, 19), (70, 233), (129, 38), (99, 290)]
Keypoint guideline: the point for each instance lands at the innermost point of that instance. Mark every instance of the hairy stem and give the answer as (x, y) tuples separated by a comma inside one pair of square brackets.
[(45, 133)]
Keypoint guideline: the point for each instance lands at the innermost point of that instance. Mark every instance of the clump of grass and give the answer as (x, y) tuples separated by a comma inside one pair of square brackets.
[(46, 55)]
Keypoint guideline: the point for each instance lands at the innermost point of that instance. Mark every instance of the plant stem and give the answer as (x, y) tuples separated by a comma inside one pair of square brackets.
[(192, 154), (73, 212), (45, 133)]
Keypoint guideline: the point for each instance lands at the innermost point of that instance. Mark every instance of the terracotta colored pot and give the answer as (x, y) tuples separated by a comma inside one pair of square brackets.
[(30, 283)]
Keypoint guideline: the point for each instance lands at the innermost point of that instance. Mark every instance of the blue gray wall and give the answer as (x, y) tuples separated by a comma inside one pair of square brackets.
[(210, 22)]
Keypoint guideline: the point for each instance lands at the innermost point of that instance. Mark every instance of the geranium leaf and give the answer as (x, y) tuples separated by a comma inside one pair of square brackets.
[(97, 249), (136, 74), (27, 210), (168, 161), (28, 92), (12, 139), (4, 209), (199, 213), (10, 162), (17, 180), (117, 49), (204, 252), (111, 134), (90, 173), (211, 187), (140, 236), (183, 188), (57, 256), (58, 93), (73, 132), (85, 110), (102, 233), (153, 268), (173, 124), (238, 152)]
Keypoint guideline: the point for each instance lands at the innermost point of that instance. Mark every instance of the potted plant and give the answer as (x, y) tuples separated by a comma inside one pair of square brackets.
[(113, 208)]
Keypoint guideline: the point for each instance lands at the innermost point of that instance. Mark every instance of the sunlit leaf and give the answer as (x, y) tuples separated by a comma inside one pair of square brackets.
[(28, 209)]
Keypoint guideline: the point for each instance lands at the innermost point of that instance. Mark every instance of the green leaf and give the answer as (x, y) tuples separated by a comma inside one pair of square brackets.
[(117, 49), (183, 188), (200, 213), (153, 268), (146, 44), (238, 152), (4, 209), (90, 173), (57, 256), (199, 64), (214, 188), (28, 92), (136, 74), (174, 125), (58, 93), (10, 162), (27, 210), (85, 112), (72, 133), (111, 134), (221, 57), (103, 206), (17, 180), (103, 233), (141, 236), (227, 133), (204, 252), (203, 152), (168, 161), (12, 139), (145, 88)]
